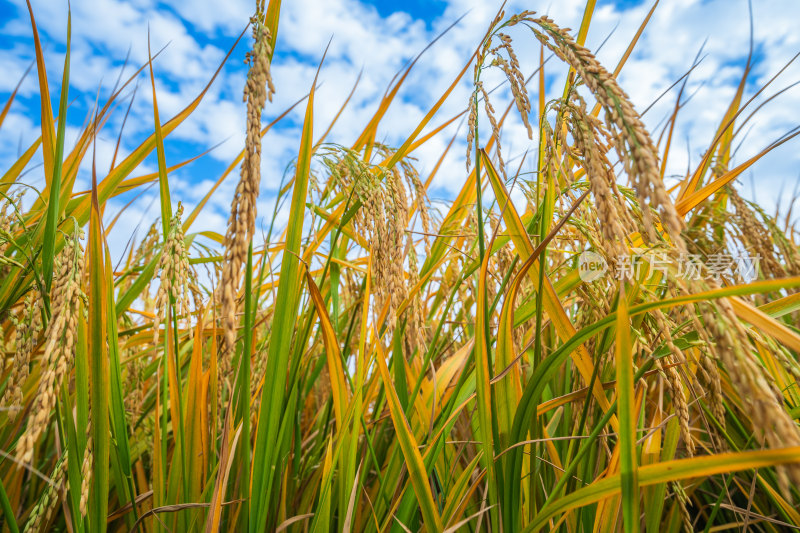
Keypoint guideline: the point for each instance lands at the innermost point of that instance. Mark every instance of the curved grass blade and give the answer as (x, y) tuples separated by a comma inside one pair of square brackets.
[(408, 445), (664, 472), (48, 134), (53, 208), (332, 354), (163, 182)]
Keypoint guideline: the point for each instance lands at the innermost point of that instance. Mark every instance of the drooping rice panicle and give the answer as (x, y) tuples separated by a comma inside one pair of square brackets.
[(242, 219), (59, 344)]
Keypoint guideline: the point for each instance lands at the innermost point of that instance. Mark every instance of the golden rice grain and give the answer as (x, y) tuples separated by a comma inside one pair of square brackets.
[(176, 277), (27, 332), (59, 347), (673, 380), (634, 146), (241, 223), (86, 475), (761, 401), (756, 237), (57, 488)]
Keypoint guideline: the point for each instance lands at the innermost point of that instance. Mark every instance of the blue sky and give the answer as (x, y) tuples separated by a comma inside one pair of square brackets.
[(378, 36), (426, 10)]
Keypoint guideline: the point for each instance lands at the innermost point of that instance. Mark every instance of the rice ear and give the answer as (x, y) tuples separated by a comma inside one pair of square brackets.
[(242, 220)]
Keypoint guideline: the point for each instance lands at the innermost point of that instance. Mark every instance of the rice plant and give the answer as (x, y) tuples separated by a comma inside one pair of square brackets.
[(593, 360)]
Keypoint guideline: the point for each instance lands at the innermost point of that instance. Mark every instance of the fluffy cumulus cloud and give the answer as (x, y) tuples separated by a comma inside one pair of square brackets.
[(378, 39)]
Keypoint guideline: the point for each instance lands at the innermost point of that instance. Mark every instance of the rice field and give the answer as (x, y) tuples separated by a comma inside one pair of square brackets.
[(615, 353)]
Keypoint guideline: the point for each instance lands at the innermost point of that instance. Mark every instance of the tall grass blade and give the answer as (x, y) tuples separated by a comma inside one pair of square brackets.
[(627, 417), (286, 305), (408, 445), (98, 354), (53, 207)]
